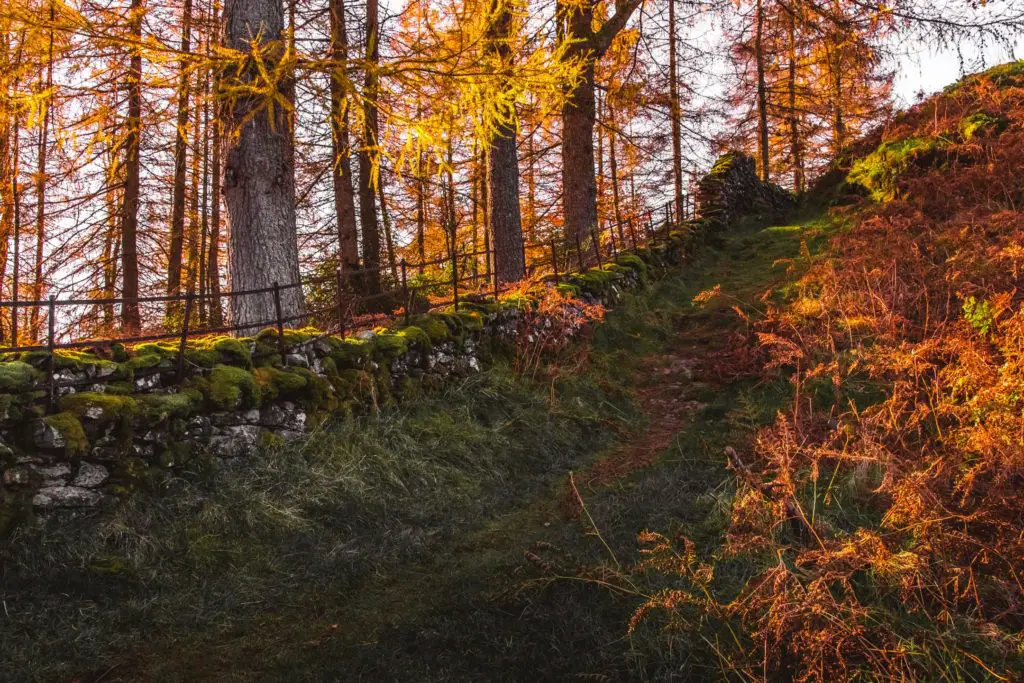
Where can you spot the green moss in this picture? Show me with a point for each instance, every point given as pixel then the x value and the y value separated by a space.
pixel 16 376
pixel 349 352
pixel 433 326
pixel 879 171
pixel 157 408
pixel 633 262
pixel 471 320
pixel 983 125
pixel 276 383
pixel 388 347
pixel 230 388
pixel 233 351
pixel 568 290
pixel 415 335
pixel 70 428
pixel 101 408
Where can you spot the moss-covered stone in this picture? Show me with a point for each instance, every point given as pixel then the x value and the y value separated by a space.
pixel 99 408
pixel 980 124
pixel 387 347
pixel 349 353
pixel 879 171
pixel 17 376
pixel 230 388
pixel 434 327
pixel 277 383
pixel 156 408
pixel 70 429
pixel 415 335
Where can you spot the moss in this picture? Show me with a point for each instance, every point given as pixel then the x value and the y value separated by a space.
pixel 101 408
pixel 276 383
pixel 388 347
pixel 433 326
pixel 632 262
pixel 16 376
pixel 981 124
pixel 10 408
pixel 70 428
pixel 879 171
pixel 156 408
pixel 568 290
pixel 472 320
pixel 415 335
pixel 349 352
pixel 233 351
pixel 230 388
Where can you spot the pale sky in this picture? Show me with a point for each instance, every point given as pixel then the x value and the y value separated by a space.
pixel 931 71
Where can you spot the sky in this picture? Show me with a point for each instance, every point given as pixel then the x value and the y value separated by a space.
pixel 929 70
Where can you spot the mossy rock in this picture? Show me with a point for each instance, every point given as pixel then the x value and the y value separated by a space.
pixel 434 327
pixel 387 347
pixel 349 352
pixel 277 383
pixel 980 124
pixel 70 428
pixel 880 171
pixel 231 388
pixel 415 335
pixel 102 409
pixel 157 408
pixel 17 376
pixel 568 290
pixel 633 262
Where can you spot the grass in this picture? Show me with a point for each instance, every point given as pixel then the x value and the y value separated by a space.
pixel 391 548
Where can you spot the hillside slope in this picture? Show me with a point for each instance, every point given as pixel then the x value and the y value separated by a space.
pixel 881 517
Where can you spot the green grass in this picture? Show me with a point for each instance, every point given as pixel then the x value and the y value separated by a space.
pixel 391 548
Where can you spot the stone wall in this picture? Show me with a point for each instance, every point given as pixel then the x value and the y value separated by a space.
pixel 122 418
pixel 732 190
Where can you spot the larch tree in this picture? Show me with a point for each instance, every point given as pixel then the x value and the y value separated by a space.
pixel 504 219
pixel 259 181
pixel 587 43
pixel 341 176
pixel 369 154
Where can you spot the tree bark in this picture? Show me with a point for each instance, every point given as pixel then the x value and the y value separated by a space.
pixel 41 178
pixel 762 93
pixel 130 318
pixel 344 195
pixel 579 189
pixel 367 156
pixel 174 256
pixel 216 313
pixel 259 175
pixel 675 108
pixel 794 123
pixel 502 162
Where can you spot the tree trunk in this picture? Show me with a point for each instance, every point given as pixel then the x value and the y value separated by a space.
pixel 579 189
pixel 389 242
pixel 794 125
pixel 259 175
pixel 503 164
pixel 344 195
pixel 613 166
pixel 762 93
pixel 675 108
pixel 174 255
pixel 43 151
pixel 579 186
pixel 216 314
pixel 7 180
pixel 130 319
pixel 368 154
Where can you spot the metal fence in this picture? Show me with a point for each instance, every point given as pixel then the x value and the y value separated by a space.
pixel 350 309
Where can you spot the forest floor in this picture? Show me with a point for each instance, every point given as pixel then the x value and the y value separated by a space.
pixel 494 591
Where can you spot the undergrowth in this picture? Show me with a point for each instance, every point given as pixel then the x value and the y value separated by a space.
pixel 294 525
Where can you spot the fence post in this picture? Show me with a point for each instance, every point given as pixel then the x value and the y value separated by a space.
pixel 554 259
pixel 455 278
pixel 280 321
pixel 184 336
pixel 632 232
pixel 405 293
pixel 580 251
pixel 339 285
pixel 597 247
pixel 615 249
pixel 14 317
pixel 50 361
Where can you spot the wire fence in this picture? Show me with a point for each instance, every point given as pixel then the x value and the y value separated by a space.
pixel 340 303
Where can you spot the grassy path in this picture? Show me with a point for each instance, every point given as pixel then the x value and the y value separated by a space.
pixel 473 608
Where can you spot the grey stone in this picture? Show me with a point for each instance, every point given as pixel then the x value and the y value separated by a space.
pixel 65 497
pixel 366 334
pixel 297 360
pixel 235 442
pixel 19 476
pixel 147 382
pixel 46 437
pixel 53 475
pixel 90 476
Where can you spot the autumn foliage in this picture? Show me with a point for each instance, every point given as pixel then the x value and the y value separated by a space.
pixel 885 506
